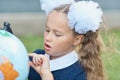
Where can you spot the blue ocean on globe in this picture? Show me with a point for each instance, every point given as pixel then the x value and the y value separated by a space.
pixel 12 48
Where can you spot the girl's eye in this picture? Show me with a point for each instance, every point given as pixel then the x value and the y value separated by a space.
pixel 47 30
pixel 58 35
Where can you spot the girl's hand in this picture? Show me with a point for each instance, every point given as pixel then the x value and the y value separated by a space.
pixel 41 64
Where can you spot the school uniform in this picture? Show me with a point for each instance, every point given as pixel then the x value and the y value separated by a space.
pixel 64 68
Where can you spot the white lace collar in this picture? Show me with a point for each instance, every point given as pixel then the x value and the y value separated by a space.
pixel 63 61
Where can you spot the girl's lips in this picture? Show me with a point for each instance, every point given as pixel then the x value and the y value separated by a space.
pixel 47 47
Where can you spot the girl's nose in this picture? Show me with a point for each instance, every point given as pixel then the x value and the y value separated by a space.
pixel 48 37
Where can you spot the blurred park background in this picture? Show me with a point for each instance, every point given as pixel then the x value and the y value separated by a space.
pixel 27 21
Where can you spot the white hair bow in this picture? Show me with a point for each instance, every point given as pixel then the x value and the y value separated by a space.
pixel 84 16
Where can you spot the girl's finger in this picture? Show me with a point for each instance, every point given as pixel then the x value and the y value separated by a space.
pixel 38 60
pixel 31 54
pixel 34 66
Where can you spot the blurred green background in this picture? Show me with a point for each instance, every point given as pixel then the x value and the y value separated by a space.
pixel 27 22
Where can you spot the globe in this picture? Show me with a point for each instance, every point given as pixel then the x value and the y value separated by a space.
pixel 13 58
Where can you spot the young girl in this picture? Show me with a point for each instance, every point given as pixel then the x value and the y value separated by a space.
pixel 72 44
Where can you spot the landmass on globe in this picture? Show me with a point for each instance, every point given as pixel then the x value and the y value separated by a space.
pixel 7 70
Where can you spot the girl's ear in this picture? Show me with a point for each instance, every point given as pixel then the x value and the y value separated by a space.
pixel 78 39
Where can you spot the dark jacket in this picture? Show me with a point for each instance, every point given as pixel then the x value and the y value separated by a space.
pixel 73 72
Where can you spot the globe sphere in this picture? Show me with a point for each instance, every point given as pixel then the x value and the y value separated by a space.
pixel 15 52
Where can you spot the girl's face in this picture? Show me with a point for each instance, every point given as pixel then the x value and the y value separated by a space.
pixel 58 37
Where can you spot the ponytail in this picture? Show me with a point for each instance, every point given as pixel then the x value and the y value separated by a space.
pixel 89 55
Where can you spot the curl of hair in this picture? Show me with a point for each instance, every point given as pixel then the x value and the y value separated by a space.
pixel 89 55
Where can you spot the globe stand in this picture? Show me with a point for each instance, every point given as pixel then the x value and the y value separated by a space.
pixel 6 27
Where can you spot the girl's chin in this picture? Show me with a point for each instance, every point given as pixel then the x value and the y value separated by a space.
pixel 48 52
